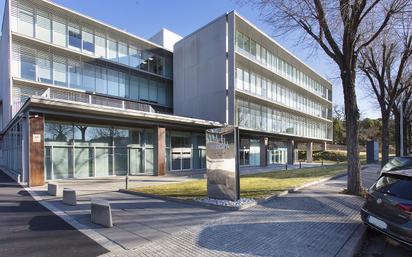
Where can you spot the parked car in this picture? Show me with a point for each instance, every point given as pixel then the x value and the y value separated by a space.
pixel 398 163
pixel 388 206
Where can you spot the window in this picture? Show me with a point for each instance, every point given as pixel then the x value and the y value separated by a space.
pixel 75 38
pixel 101 80
pixel 59 71
pixel 134 57
pixel 26 22
pixel 88 77
pixel 43 26
pixel 28 66
pixel 160 65
pixel 239 78
pixel 43 68
pixel 88 44
pixel 112 50
pixel 144 64
pixel 122 84
pixel 153 91
pixel 74 74
pixel 153 64
pixel 161 93
pixel 100 45
pixel 134 88
pixel 59 32
pixel 113 83
pixel 144 89
pixel 123 57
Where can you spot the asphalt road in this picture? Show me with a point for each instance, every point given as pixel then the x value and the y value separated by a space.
pixel 29 229
pixel 377 245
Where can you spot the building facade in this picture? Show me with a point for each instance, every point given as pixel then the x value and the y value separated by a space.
pixel 81 99
pixel 230 71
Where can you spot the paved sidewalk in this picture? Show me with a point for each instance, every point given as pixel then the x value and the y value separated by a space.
pixel 316 222
pixel 29 229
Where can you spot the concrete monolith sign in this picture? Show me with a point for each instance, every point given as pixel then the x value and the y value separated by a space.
pixel 222 163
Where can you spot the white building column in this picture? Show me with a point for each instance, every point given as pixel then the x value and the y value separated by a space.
pixel 309 152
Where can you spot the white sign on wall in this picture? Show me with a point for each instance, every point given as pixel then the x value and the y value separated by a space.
pixel 36 138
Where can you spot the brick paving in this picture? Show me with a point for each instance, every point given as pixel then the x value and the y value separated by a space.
pixel 313 222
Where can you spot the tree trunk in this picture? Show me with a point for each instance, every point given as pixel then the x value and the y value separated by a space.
pixel 385 138
pixel 405 136
pixel 352 131
pixel 397 132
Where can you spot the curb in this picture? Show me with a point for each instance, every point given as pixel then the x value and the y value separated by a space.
pixel 89 232
pixel 232 208
pixel 354 243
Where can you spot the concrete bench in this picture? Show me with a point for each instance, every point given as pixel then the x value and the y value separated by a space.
pixel 69 196
pixel 101 213
pixel 53 189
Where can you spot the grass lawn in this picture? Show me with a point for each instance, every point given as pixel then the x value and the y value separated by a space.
pixel 255 186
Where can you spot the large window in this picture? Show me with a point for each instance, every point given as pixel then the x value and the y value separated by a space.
pixel 123 56
pixel 49 26
pixel 28 67
pixel 101 80
pixel 44 68
pixel 100 42
pixel 26 22
pixel 112 50
pixel 59 71
pixel 85 150
pixel 255 116
pixel 59 32
pixel 75 38
pixel 89 77
pixel 43 26
pixel 74 74
pixel 36 65
pixel 88 42
pixel 113 83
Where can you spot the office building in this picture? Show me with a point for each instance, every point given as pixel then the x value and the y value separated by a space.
pixel 80 98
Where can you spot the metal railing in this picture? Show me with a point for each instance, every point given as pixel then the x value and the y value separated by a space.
pixel 80 97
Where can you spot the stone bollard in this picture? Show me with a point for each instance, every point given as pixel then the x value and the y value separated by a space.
pixel 101 213
pixel 69 196
pixel 53 188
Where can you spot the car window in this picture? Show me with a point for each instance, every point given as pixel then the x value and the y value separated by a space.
pixel 398 163
pixel 398 186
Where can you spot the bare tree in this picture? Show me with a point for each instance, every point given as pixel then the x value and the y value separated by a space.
pixel 384 62
pixel 338 112
pixel 341 29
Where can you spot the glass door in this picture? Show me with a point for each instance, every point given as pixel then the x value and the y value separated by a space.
pixel 181 155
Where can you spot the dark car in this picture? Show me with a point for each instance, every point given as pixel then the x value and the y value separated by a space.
pixel 388 206
pixel 398 163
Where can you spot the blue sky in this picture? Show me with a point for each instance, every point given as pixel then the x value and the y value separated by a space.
pixel 146 17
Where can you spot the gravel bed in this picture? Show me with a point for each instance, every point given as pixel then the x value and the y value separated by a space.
pixel 238 203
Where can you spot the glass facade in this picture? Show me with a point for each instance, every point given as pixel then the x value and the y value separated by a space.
pixel 267 58
pixel 84 150
pixel 249 152
pixel 185 151
pixel 37 65
pixel 261 86
pixel 11 147
pixel 256 116
pixel 48 26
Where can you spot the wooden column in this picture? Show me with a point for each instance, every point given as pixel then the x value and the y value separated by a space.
pixel 36 150
pixel 161 151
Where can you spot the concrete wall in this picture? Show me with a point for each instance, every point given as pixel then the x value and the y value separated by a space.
pixel 165 38
pixel 200 73
pixel 5 78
